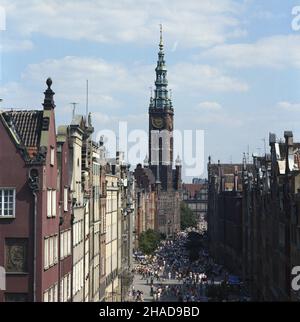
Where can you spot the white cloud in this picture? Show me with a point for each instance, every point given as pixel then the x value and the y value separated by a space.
pixel 221 119
pixel 210 106
pixel 13 45
pixel 272 52
pixel 117 92
pixel 111 84
pixel 288 106
pixel 192 23
pixel 195 77
pixel 107 81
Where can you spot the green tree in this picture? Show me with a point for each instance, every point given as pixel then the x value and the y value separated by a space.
pixel 187 217
pixel 149 241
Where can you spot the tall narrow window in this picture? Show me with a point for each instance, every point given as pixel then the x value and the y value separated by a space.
pixel 46 253
pixel 55 249
pixel 65 199
pixel 53 203
pixel 49 203
pixel 52 156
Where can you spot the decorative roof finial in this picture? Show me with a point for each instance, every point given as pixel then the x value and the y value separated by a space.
pixel 49 101
pixel 161 44
pixel 49 82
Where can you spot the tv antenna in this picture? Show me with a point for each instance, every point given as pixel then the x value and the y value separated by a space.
pixel 74 108
pixel 87 99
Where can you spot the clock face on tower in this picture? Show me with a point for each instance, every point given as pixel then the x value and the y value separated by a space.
pixel 157 122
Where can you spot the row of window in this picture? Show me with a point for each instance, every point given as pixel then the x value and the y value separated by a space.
pixel 51 295
pixel 8 202
pixel 50 251
pixel 78 276
pixel 65 288
pixel 65 244
pixel 77 232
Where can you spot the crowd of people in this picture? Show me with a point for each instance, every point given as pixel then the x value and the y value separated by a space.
pixel 171 275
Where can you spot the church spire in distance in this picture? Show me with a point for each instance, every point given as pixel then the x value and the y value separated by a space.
pixel 161 95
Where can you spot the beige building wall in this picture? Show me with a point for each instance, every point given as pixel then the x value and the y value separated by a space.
pixel 112 238
pixel 79 217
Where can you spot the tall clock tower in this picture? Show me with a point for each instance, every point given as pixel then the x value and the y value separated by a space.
pixel 161 115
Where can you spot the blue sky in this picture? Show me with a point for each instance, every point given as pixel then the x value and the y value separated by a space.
pixel 233 65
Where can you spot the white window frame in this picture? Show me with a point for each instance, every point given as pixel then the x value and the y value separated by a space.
pixel 69 286
pixel 49 203
pixel 51 255
pixel 2 189
pixel 62 289
pixel 52 156
pixel 69 242
pixel 65 244
pixel 53 199
pixel 66 288
pixel 62 246
pixel 46 253
pixel 66 193
pixel 55 293
pixel 55 249
pixel 45 296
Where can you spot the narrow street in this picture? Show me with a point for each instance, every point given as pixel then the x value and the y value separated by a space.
pixel 181 270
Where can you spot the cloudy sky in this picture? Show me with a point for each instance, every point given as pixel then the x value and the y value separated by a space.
pixel 233 64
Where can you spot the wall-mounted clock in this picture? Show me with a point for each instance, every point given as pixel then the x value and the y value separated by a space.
pixel 157 122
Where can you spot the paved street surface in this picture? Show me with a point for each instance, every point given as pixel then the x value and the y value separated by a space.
pixel 141 285
pixel 180 271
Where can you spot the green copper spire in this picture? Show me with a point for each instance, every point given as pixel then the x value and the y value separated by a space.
pixel 161 96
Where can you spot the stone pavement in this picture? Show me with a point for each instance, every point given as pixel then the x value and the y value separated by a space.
pixel 141 285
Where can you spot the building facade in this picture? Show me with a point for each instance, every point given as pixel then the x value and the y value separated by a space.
pixel 161 142
pixel 66 214
pixel 254 227
pixel 271 215
pixel 29 219
pixel 225 214
pixel 195 197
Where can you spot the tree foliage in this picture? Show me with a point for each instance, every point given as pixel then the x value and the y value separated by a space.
pixel 187 217
pixel 149 241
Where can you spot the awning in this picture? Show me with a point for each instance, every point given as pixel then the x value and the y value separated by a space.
pixel 234 280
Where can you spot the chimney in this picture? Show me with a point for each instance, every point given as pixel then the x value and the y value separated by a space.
pixel 235 178
pixel 289 143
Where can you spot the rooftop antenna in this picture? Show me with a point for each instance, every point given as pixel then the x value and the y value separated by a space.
pixel 161 44
pixel 74 108
pixel 248 154
pixel 87 98
pixel 265 146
